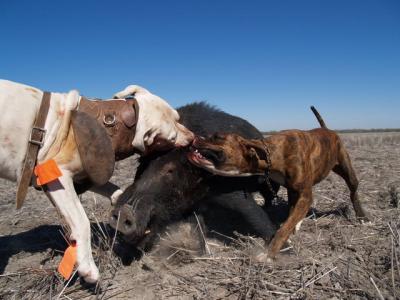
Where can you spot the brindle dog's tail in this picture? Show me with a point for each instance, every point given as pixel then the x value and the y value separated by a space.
pixel 318 116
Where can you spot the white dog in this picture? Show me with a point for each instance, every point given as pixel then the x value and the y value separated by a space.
pixel 157 128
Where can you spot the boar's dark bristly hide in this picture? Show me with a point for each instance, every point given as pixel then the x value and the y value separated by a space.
pixel 167 187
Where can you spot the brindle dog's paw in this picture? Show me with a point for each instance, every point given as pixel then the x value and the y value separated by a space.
pixel 364 220
pixel 263 257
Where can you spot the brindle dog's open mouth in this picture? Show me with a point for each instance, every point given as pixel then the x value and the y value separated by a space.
pixel 204 156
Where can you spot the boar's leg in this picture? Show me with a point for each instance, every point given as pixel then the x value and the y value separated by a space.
pixel 243 202
pixel 266 192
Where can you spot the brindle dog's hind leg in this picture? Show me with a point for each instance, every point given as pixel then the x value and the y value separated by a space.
pixel 345 170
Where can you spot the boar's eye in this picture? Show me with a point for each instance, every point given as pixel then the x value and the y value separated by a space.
pixel 170 170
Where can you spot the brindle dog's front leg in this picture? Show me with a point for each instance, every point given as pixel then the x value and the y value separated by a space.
pixel 299 211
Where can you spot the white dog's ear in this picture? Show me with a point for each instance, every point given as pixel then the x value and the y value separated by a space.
pixel 94 147
pixel 130 90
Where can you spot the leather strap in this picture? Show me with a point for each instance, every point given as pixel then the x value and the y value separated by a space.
pixel 35 143
pixel 116 117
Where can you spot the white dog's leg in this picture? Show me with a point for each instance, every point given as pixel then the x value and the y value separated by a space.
pixel 63 195
pixel 109 190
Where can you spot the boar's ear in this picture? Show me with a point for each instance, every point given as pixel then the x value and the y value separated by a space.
pixel 94 147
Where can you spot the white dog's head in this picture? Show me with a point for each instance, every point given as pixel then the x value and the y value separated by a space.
pixel 158 126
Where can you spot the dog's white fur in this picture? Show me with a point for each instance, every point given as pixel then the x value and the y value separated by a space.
pixel 157 120
pixel 158 123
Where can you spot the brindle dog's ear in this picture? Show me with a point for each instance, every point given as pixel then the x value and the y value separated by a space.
pixel 255 150
pixel 94 147
pixel 252 153
pixel 256 156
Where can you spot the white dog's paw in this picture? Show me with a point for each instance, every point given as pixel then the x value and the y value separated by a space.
pixel 93 276
pixel 89 272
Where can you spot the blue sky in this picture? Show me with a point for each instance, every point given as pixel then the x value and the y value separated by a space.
pixel 266 61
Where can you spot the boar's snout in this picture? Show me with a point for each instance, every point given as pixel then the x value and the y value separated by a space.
pixel 122 219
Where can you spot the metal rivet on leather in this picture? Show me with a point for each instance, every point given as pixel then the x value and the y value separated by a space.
pixel 109 119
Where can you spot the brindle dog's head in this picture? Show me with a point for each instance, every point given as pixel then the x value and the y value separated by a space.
pixel 228 155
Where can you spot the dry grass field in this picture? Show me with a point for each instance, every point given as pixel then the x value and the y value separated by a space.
pixel 332 256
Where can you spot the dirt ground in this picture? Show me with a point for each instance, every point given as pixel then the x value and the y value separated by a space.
pixel 333 256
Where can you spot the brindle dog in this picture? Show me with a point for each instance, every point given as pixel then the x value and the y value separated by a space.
pixel 295 159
